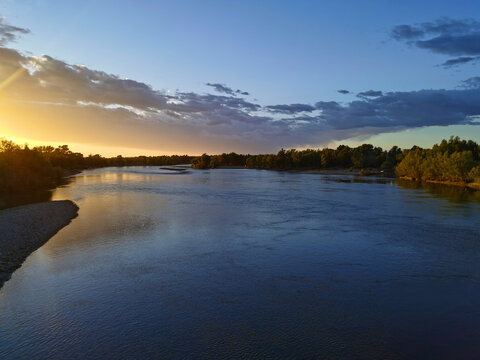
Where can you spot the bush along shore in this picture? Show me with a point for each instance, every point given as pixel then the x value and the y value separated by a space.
pixel 26 228
pixel 453 162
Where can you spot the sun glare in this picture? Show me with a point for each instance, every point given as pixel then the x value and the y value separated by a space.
pixel 19 72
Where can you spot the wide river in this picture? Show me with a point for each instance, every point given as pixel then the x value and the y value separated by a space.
pixel 248 264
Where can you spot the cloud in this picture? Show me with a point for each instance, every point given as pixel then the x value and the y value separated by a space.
pixel 327 105
pixel 443 26
pixel 395 110
pixel 53 99
pixel 222 88
pixel 369 93
pixel 290 109
pixel 454 45
pixel 9 33
pixel 459 61
pixel 459 38
pixel 344 92
pixel 47 99
pixel 471 83
pixel 406 32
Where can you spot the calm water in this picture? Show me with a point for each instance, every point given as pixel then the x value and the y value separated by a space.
pixel 249 265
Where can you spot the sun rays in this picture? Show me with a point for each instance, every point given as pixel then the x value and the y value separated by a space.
pixel 17 74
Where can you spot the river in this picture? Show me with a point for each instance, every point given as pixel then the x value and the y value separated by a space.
pixel 249 264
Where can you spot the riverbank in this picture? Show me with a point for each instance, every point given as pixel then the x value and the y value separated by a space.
pixel 25 228
pixel 356 172
pixel 472 185
pixel 329 171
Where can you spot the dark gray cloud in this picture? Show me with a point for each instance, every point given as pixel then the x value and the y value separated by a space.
pixel 9 33
pixel 405 110
pixel 328 105
pixel 471 83
pixel 222 88
pixel 454 45
pixel 290 109
pixel 458 61
pixel 343 91
pixel 443 26
pixel 406 32
pixel 193 103
pixel 369 93
pixel 459 38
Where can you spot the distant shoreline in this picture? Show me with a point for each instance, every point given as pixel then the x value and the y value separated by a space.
pixel 26 228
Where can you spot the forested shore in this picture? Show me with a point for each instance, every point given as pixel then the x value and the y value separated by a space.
pixel 453 161
pixel 45 167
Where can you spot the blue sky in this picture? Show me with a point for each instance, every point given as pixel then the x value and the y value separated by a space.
pixel 280 52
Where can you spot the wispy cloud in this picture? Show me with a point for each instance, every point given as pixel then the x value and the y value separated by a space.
pixel 222 88
pixel 290 109
pixel 459 38
pixel 440 27
pixel 369 94
pixel 471 83
pixel 9 33
pixel 459 61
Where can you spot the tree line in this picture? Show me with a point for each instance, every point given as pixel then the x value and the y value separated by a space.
pixel 361 157
pixel 43 167
pixel 452 160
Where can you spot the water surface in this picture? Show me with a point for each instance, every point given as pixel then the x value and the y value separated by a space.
pixel 249 264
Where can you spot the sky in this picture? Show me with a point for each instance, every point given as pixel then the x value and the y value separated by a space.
pixel 166 77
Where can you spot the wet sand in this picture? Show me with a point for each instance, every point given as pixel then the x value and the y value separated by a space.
pixel 25 228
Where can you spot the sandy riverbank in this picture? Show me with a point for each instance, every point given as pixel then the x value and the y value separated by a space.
pixel 25 228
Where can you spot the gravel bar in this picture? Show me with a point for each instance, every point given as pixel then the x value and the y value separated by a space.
pixel 25 228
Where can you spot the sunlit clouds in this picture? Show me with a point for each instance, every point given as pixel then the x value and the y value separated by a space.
pixel 48 100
